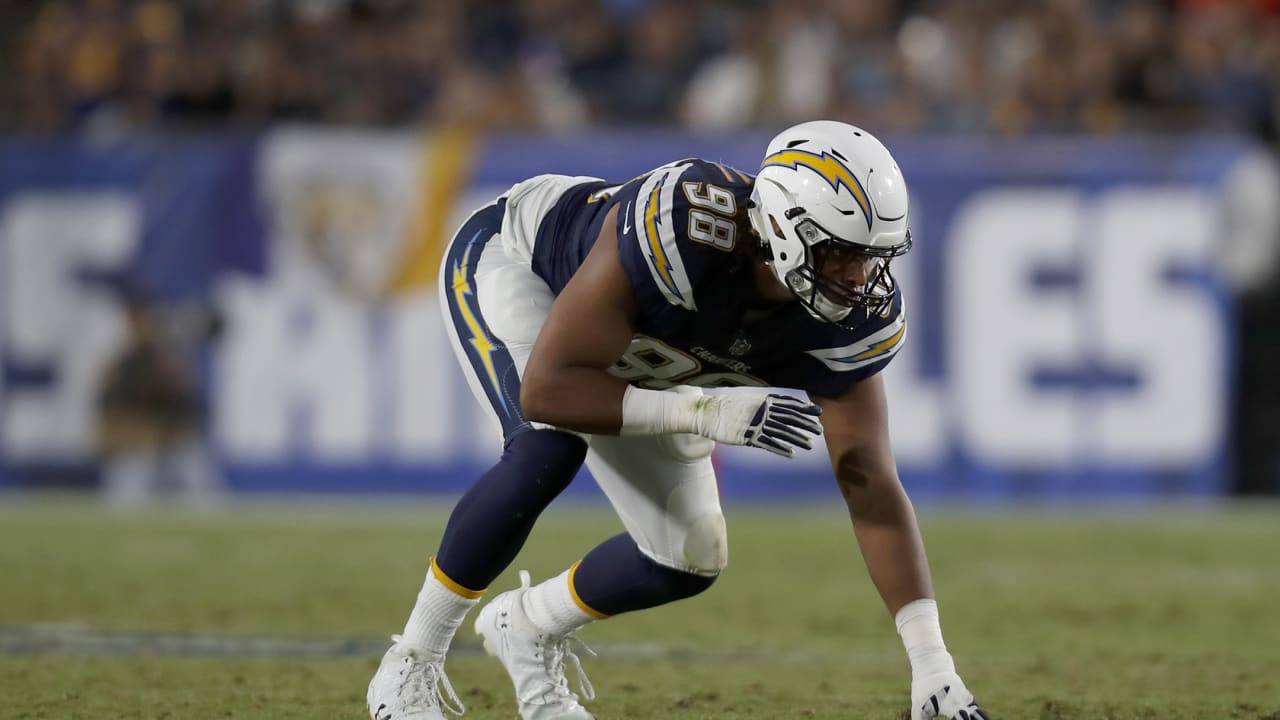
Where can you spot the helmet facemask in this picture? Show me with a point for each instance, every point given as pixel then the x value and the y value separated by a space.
pixel 828 296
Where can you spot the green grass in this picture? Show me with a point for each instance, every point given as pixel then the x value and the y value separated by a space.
pixel 1165 615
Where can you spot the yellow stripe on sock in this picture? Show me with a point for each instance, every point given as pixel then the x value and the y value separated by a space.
pixel 573 572
pixel 448 582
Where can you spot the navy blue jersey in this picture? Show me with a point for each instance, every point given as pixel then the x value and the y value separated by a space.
pixel 680 237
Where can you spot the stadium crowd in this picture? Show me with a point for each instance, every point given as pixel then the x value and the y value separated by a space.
pixel 1003 66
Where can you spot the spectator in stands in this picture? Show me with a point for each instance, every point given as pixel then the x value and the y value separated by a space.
pixel 778 68
pixel 1000 66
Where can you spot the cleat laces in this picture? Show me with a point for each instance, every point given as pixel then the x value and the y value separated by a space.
pixel 556 654
pixel 425 683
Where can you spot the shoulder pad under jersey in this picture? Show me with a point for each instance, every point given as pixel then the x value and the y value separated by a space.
pixel 867 349
pixel 675 220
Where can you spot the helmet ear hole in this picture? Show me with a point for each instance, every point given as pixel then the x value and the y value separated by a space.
pixel 777 229
pixel 782 257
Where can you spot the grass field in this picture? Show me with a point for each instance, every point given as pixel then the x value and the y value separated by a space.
pixel 1165 615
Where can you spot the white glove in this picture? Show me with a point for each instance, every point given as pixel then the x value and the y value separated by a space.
pixel 777 423
pixel 944 696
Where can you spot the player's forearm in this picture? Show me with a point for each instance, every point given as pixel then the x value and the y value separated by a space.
pixel 889 538
pixel 896 562
pixel 584 399
pixel 890 542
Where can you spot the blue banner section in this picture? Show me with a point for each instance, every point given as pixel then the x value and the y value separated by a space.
pixel 1068 336
pixel 201 207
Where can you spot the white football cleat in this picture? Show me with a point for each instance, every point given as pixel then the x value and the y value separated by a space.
pixel 411 685
pixel 534 660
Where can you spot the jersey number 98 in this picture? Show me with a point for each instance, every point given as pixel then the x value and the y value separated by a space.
pixel 711 218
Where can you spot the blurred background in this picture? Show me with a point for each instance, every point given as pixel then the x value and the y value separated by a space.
pixel 221 224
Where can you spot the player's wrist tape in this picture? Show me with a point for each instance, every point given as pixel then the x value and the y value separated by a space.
pixel 921 634
pixel 656 412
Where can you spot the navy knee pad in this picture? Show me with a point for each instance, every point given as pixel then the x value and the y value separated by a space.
pixel 493 519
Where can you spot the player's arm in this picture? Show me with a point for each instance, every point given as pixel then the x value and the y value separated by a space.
pixel 884 522
pixel 856 425
pixel 566 382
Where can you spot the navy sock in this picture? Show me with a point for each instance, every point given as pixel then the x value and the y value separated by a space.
pixel 616 577
pixel 493 519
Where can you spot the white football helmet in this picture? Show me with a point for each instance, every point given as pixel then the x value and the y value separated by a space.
pixel 830 190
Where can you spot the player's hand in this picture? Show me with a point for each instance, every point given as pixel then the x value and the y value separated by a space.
pixel 944 697
pixel 777 423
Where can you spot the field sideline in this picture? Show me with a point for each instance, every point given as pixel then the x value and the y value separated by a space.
pixel 278 610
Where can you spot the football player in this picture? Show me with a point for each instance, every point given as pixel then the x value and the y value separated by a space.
pixel 589 318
